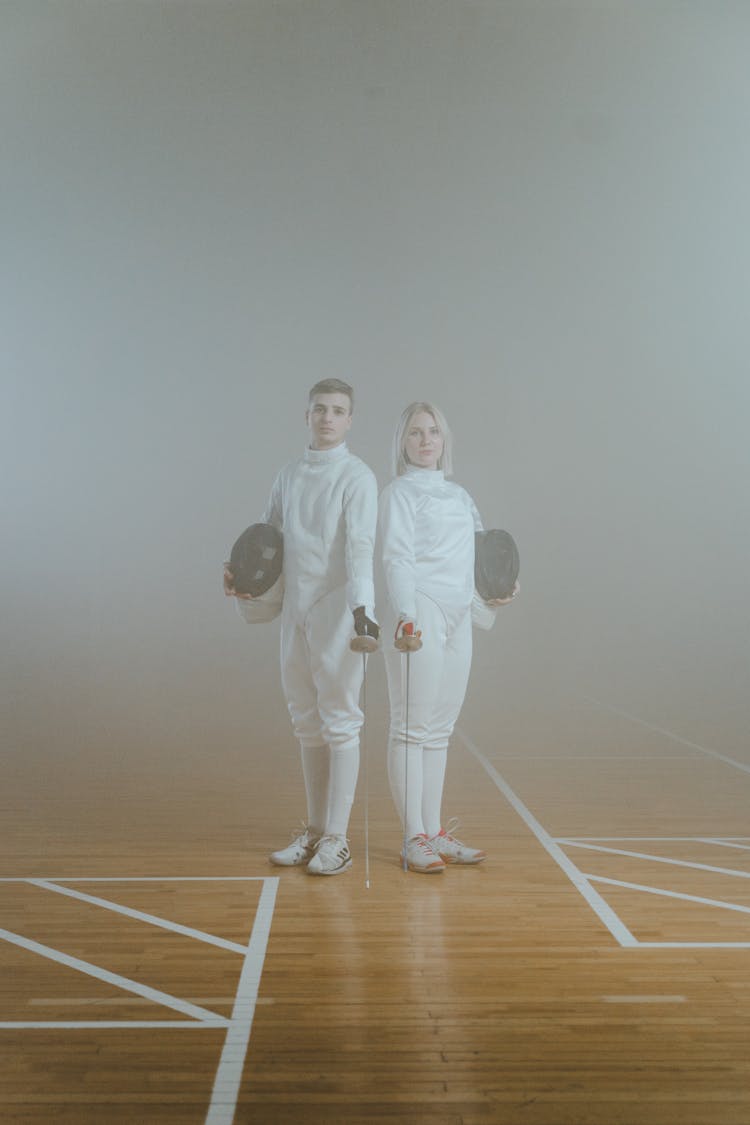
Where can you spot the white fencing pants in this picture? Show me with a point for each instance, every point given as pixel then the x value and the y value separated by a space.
pixel 321 678
pixel 438 675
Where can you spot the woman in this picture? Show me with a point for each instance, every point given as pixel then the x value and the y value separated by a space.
pixel 427 526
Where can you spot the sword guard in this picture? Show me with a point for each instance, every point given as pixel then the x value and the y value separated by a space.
pixel 363 643
pixel 407 640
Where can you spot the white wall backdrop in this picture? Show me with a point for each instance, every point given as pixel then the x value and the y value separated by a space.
pixel 534 213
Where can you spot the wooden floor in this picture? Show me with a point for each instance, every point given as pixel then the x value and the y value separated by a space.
pixel 594 971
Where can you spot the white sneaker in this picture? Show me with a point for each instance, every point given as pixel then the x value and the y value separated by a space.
pixel 421 856
pixel 452 850
pixel 300 851
pixel 332 856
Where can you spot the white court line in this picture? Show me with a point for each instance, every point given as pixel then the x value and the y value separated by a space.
pixel 694 944
pixel 659 839
pixel 647 999
pixel 140 916
pixel 115 979
pixel 670 894
pixel 657 858
pixel 668 734
pixel 601 908
pixel 723 843
pixel 217 1023
pixel 597 757
pixel 112 1001
pixel 142 879
pixel 229 1073
pixel 582 881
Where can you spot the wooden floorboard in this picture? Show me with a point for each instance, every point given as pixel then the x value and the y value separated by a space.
pixel 491 995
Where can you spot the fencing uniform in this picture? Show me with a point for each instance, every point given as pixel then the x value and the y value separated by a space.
pixel 427 527
pixel 325 505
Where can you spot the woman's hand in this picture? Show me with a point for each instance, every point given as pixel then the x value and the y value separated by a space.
pixel 408 638
pixel 505 601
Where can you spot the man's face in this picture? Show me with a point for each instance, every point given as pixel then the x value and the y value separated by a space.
pixel 328 418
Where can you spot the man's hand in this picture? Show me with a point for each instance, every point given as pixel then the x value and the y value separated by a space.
pixel 366 632
pixel 229 589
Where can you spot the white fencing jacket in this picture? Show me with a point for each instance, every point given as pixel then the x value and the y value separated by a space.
pixel 325 505
pixel 427 526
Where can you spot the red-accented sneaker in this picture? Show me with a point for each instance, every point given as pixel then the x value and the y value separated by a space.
pixel 421 856
pixel 452 850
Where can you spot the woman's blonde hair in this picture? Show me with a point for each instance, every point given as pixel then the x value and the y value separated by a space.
pixel 399 461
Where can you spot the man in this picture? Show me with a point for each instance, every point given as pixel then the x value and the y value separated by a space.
pixel 325 506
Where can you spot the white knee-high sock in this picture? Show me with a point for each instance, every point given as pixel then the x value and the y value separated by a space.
pixel 433 774
pixel 315 772
pixel 412 820
pixel 344 767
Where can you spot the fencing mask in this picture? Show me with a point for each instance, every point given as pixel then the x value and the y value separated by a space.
pixel 496 564
pixel 256 558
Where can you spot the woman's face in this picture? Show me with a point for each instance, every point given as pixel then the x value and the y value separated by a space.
pixel 424 442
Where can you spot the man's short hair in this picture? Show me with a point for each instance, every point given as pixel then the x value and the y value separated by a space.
pixel 332 387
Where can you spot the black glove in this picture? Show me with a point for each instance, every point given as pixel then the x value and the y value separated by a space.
pixel 366 632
